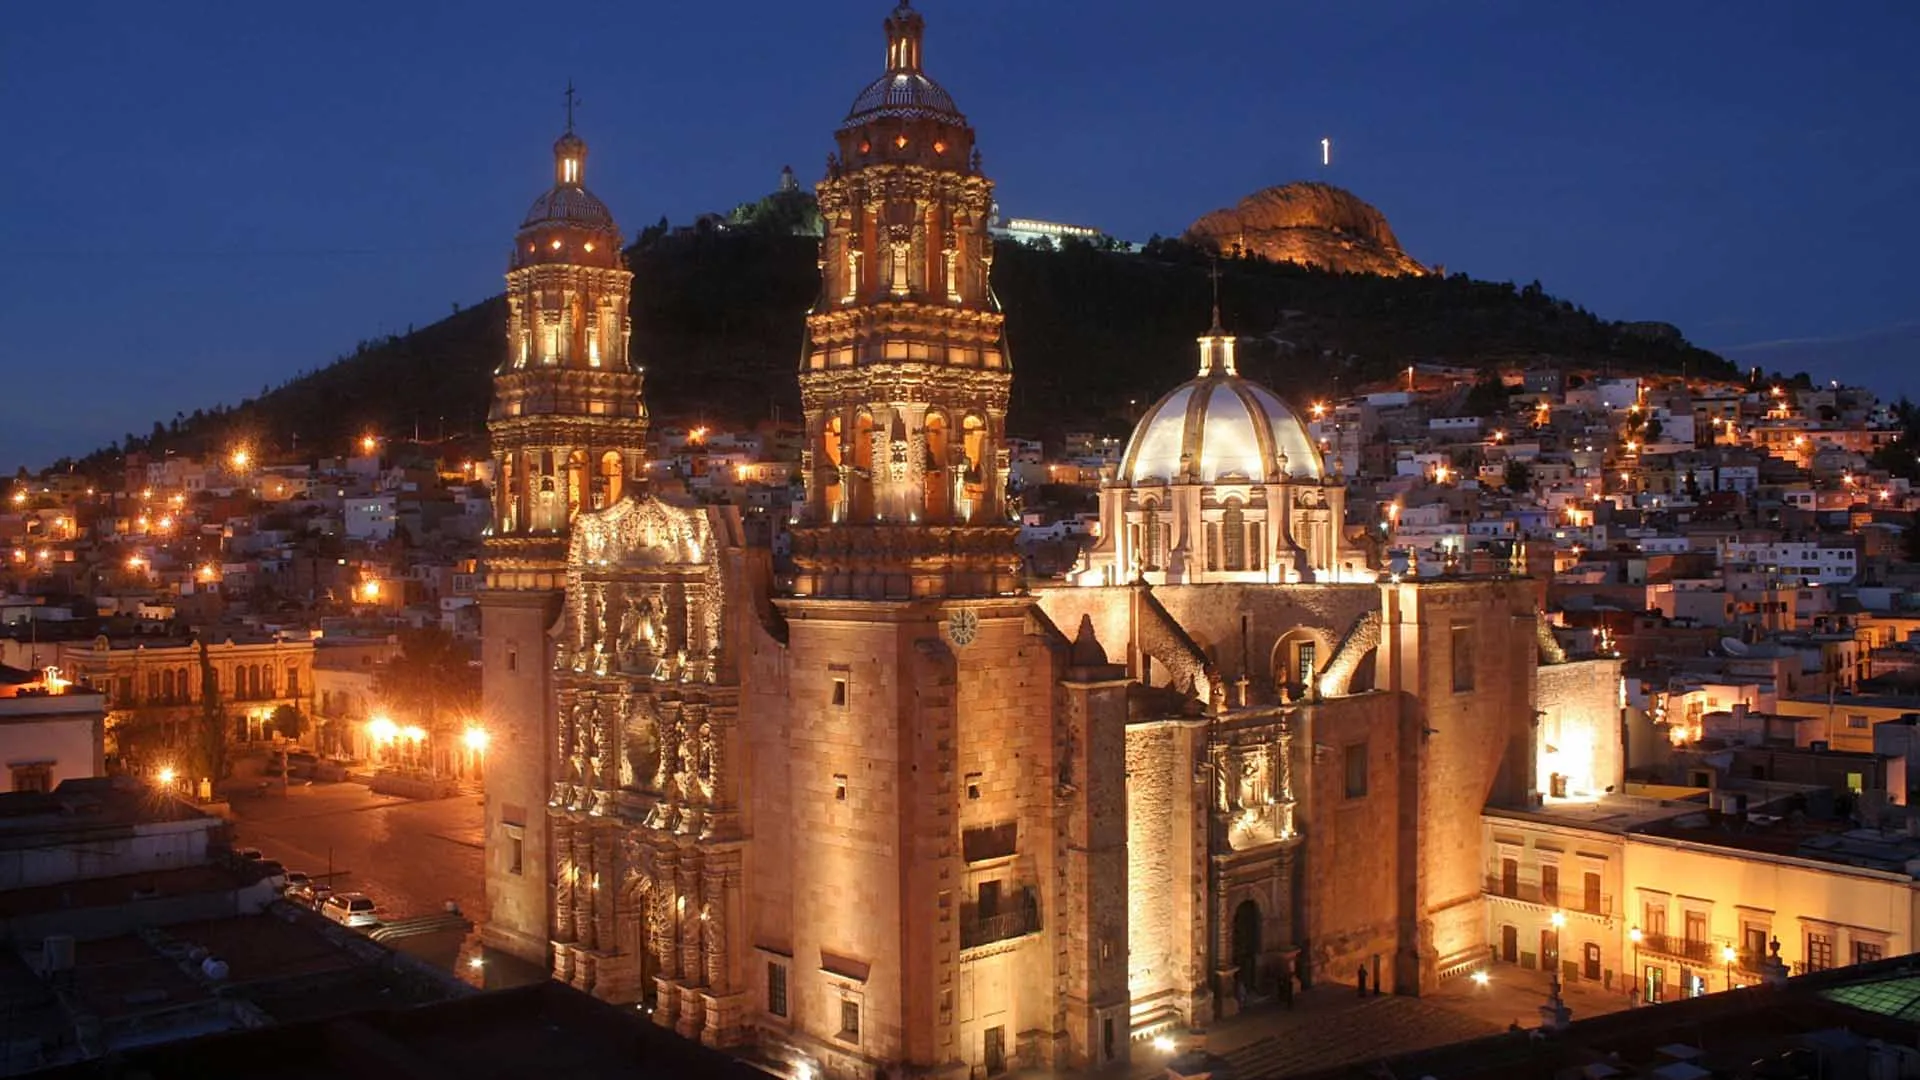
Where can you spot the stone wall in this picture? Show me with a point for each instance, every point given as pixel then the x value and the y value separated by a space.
pixel 1351 863
pixel 1475 744
pixel 1580 727
pixel 515 698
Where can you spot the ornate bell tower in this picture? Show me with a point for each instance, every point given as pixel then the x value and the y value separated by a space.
pixel 906 376
pixel 919 685
pixel 568 432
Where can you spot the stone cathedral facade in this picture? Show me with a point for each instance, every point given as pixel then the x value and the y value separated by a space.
pixel 913 815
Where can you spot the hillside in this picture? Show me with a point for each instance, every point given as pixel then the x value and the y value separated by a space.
pixel 718 324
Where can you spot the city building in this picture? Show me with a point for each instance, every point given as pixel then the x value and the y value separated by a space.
pixel 154 688
pixel 50 730
pixel 908 813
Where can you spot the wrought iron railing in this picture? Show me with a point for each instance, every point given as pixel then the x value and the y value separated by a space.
pixel 1019 914
pixel 1532 893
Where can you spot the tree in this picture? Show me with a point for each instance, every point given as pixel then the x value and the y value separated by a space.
pixel 290 722
pixel 431 683
pixel 1519 475
pixel 211 730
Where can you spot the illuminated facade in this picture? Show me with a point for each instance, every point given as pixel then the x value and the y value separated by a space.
pixel 568 433
pixel 909 818
pixel 906 374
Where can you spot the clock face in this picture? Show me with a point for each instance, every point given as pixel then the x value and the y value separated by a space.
pixel 963 626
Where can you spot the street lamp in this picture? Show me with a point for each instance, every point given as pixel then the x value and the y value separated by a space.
pixel 1634 935
pixel 1727 954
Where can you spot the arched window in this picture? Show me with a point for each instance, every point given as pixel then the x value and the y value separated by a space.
pixel 184 683
pixel 576 483
pixel 832 456
pixel 1151 552
pixel 939 485
pixel 266 680
pixel 612 478
pixel 166 686
pixel 973 443
pixel 1233 536
pixel 863 466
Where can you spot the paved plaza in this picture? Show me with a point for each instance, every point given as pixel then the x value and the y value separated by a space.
pixel 1331 1026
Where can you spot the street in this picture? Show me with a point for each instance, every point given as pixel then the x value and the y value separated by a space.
pixel 410 856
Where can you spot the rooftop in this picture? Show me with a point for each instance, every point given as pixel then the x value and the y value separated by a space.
pixel 541 1030
pixel 1814 1025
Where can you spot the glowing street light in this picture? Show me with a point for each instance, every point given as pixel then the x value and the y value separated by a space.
pixel 1727 954
pixel 240 458
pixel 382 729
pixel 476 739
pixel 368 444
pixel 165 775
pixel 1481 978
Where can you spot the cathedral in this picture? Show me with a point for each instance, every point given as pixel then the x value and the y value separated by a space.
pixel 913 814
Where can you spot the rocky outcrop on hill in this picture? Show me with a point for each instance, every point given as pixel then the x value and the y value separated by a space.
pixel 1311 224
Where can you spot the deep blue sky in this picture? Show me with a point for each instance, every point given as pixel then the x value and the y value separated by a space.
pixel 198 198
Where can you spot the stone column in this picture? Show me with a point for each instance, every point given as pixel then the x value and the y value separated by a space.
pixel 661 934
pixel 605 900
pixel 583 891
pixel 565 880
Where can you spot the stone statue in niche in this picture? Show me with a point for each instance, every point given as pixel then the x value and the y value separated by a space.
pixel 1253 781
pixel 703 762
pixel 688 776
pixel 587 739
pixel 629 633
pixel 642 759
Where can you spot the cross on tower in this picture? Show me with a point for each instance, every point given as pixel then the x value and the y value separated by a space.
pixel 573 99
pixel 1215 275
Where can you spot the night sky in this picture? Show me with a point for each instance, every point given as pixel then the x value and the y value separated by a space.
pixel 201 198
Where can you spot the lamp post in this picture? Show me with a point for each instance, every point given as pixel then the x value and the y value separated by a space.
pixel 1559 921
pixel 1634 935
pixel 1727 954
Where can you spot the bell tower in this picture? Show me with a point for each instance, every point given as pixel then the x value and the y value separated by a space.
pixel 906 376
pixel 568 432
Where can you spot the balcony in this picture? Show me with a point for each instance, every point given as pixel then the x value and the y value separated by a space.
pixel 1528 892
pixel 1018 915
pixel 1699 952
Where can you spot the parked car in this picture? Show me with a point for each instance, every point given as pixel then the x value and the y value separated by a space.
pixel 296 880
pixel 247 853
pixel 350 909
pixel 317 894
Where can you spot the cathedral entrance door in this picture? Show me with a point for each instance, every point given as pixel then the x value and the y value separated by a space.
pixel 996 1051
pixel 1246 944
pixel 1510 944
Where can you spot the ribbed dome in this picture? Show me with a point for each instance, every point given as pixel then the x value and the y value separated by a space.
pixel 1220 427
pixel 906 95
pixel 569 204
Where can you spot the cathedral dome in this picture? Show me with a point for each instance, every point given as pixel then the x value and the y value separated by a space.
pixel 1220 428
pixel 904 92
pixel 569 205
pixel 568 202
pixel 907 95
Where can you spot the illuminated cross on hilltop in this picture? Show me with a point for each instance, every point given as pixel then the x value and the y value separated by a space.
pixel 1215 275
pixel 573 100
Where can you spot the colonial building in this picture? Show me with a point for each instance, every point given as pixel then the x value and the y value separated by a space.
pixel 913 816
pixel 157 687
